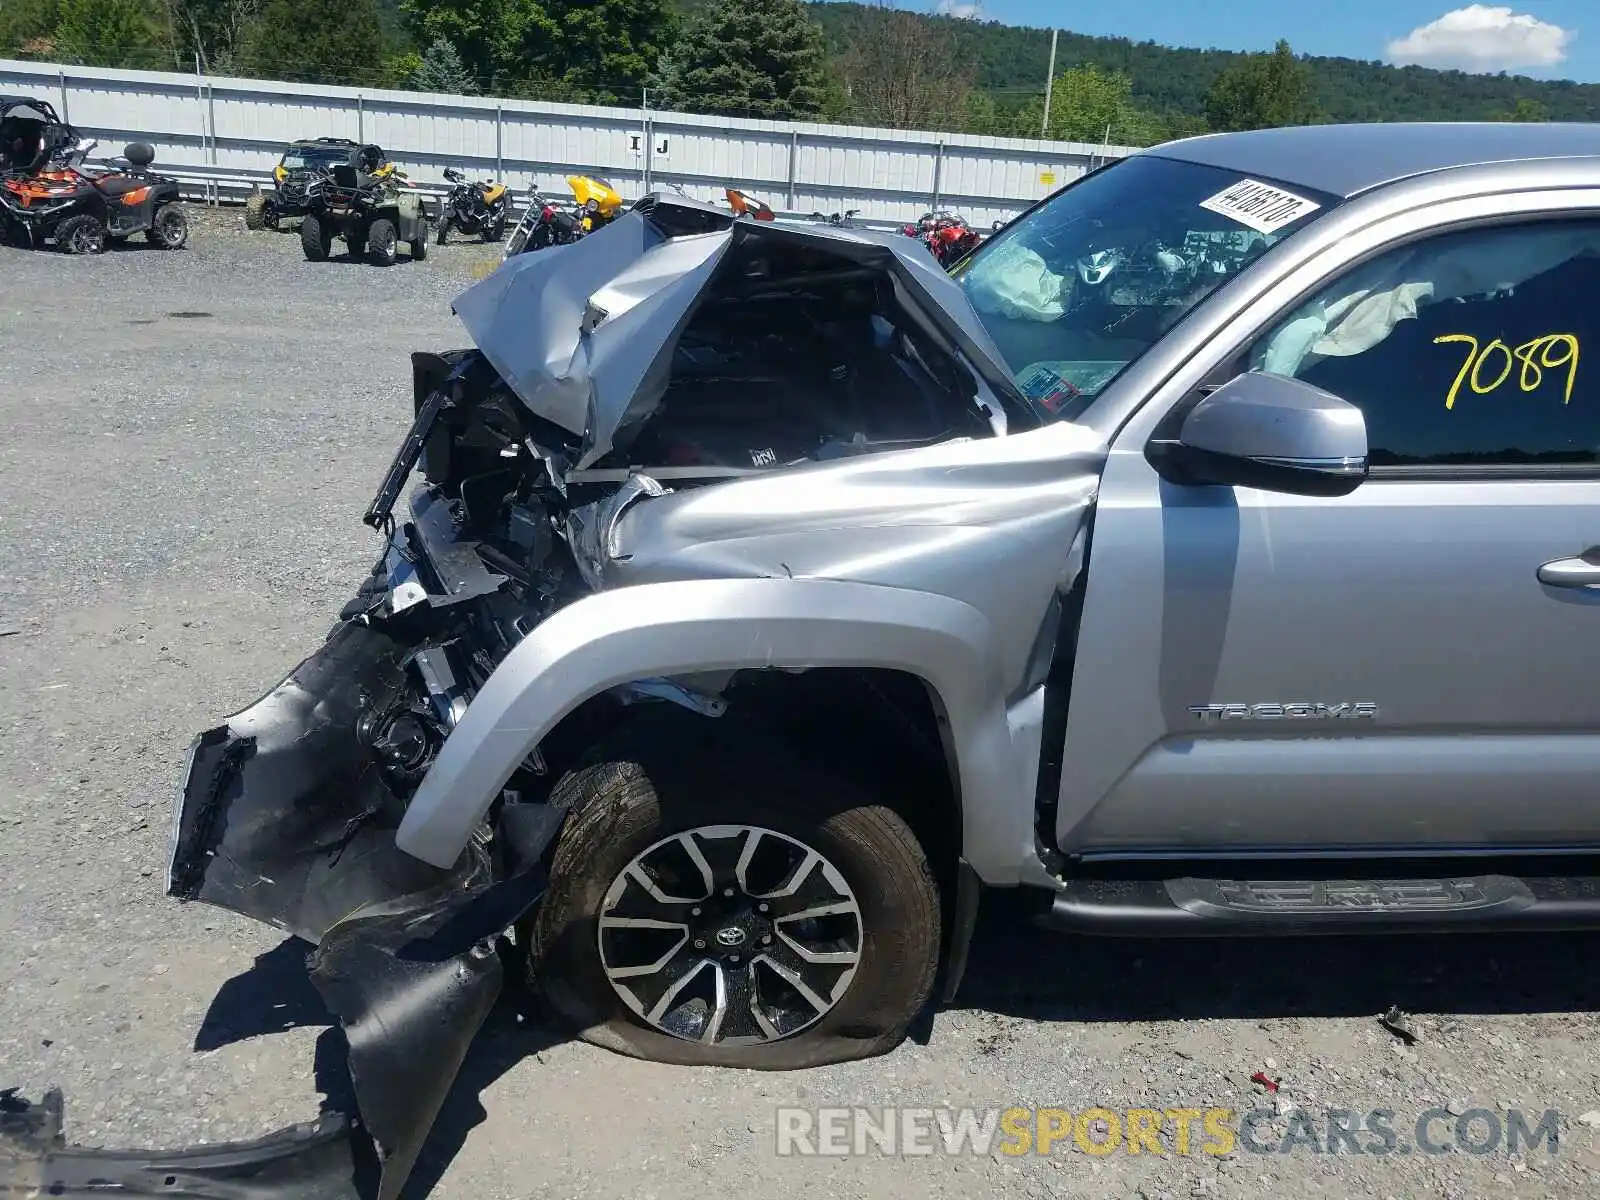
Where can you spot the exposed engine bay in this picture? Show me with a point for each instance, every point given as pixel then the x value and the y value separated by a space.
pixel 790 355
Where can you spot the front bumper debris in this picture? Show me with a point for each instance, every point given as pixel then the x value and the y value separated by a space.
pixel 287 816
pixel 322 1160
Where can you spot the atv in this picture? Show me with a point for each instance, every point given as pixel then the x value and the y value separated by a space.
pixel 373 213
pixel 297 166
pixel 474 206
pixel 82 211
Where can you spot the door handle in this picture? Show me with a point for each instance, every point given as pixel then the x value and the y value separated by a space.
pixel 1579 572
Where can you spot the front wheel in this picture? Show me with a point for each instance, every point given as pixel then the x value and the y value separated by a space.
pixel 443 234
pixel 738 907
pixel 419 244
pixel 316 240
pixel 81 235
pixel 169 230
pixel 381 241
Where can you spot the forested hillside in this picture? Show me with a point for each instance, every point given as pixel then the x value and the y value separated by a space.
pixel 1011 61
pixel 866 63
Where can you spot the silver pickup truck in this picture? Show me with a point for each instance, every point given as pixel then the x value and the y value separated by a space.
pixel 1212 552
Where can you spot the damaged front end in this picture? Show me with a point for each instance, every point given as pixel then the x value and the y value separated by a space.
pixel 677 353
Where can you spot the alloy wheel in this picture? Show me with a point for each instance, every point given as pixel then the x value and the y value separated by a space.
pixel 730 935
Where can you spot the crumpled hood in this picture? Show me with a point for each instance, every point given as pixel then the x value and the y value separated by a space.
pixel 584 333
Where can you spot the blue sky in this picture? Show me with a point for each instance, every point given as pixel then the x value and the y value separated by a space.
pixel 1547 39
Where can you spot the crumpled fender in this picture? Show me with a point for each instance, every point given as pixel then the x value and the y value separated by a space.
pixel 677 628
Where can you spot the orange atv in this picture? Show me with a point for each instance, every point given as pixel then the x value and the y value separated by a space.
pixel 82 211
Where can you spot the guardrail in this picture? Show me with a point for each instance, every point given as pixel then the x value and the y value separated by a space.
pixel 223 185
pixel 224 134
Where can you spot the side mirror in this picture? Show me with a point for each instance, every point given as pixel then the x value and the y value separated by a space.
pixel 1269 432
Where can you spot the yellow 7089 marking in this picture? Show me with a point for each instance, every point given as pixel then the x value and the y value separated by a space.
pixel 1548 352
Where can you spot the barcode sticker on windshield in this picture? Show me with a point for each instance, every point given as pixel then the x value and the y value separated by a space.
pixel 1260 206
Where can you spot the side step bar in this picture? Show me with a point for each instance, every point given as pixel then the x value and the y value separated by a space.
pixel 1206 907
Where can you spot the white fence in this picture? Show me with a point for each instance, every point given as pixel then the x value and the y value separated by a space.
pixel 230 131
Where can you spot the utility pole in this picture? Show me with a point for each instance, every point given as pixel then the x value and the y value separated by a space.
pixel 1049 82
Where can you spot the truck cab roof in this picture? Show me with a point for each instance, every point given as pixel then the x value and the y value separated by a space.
pixel 1347 160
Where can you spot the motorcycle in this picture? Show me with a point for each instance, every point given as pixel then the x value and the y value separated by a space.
pixel 948 237
pixel 844 220
pixel 543 223
pixel 598 202
pixel 474 206
pixel 82 211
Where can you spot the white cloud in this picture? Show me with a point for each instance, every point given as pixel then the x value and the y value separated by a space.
pixel 1484 38
pixel 966 10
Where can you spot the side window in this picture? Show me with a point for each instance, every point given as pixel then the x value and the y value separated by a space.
pixel 1468 349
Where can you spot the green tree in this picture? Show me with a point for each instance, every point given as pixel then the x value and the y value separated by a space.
pixel 441 70
pixel 600 50
pixel 485 33
pixel 1525 110
pixel 605 48
pixel 211 30
pixel 108 33
pixel 1262 92
pixel 1091 104
pixel 319 41
pixel 28 26
pixel 758 58
pixel 902 71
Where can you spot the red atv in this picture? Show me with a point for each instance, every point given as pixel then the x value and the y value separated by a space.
pixel 947 236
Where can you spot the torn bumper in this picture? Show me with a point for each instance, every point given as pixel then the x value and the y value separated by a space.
pixel 285 815
pixel 316 1161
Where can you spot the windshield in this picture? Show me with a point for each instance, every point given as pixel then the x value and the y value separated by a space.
pixel 299 159
pixel 1082 286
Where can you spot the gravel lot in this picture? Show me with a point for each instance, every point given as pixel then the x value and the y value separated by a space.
pixel 179 516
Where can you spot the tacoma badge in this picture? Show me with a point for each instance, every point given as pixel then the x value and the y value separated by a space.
pixel 1295 711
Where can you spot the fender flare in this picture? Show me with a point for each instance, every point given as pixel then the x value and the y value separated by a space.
pixel 678 628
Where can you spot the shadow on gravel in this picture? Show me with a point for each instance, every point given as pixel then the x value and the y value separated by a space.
pixel 1018 970
pixel 276 994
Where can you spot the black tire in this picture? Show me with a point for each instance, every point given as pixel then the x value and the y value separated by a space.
pixel 646 787
pixel 169 229
pixel 419 244
pixel 442 234
pixel 81 235
pixel 381 242
pixel 315 241
pixel 255 212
